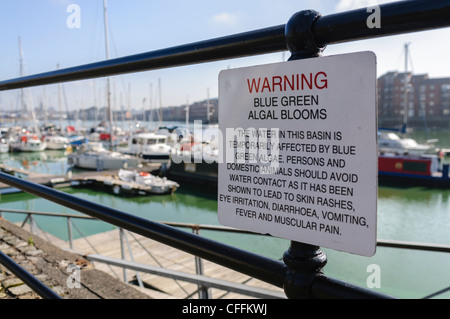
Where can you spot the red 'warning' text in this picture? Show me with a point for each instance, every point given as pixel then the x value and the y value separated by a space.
pixel 294 82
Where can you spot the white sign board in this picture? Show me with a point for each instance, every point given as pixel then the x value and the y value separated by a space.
pixel 299 153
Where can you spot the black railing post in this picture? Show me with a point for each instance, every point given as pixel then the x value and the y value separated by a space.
pixel 304 261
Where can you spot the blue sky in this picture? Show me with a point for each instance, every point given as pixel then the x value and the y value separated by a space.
pixel 138 26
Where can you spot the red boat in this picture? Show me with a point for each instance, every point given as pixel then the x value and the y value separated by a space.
pixel 424 170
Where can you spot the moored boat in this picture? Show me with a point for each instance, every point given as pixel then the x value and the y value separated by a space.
pixel 27 142
pixel 4 146
pixel 56 142
pixel 93 155
pixel 417 170
pixel 193 168
pixel 157 185
pixel 390 142
pixel 150 147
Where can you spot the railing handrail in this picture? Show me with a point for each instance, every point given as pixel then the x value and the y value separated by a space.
pixel 262 268
pixel 187 277
pixel 22 211
pixel 266 269
pixel 194 226
pixel 397 18
pixel 32 282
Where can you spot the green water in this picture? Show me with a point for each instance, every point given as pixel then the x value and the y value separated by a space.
pixel 416 214
pixel 404 214
pixel 413 215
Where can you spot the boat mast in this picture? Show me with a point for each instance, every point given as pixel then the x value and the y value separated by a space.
pixel 22 73
pixel 44 106
pixel 29 101
pixel 150 102
pixel 208 107
pixel 187 112
pixel 59 103
pixel 405 112
pixel 108 85
pixel 160 103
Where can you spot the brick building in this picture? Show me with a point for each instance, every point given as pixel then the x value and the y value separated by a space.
pixel 426 98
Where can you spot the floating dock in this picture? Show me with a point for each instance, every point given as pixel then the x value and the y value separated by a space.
pixel 100 179
pixel 110 182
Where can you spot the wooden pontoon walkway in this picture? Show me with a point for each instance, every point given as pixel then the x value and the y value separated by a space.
pixel 152 253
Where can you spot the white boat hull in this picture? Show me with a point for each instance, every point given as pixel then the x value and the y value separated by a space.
pixel 28 146
pixel 392 143
pixel 156 184
pixel 56 142
pixel 148 146
pixel 102 161
pixel 4 148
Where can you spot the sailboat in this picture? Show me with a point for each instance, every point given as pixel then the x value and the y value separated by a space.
pixel 25 141
pixel 151 147
pixel 403 160
pixel 4 146
pixel 54 140
pixel 93 155
pixel 389 141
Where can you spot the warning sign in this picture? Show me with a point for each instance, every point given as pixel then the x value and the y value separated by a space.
pixel 299 151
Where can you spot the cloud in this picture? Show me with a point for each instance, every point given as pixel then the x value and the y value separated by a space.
pixel 225 19
pixel 344 5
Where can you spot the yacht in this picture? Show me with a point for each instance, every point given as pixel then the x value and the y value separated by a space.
pixel 56 142
pixel 389 142
pixel 93 155
pixel 4 146
pixel 27 142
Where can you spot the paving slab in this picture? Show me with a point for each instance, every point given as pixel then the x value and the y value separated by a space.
pixel 69 275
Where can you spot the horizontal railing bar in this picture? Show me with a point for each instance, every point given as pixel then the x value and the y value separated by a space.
pixel 234 46
pixel 415 246
pixel 263 268
pixel 325 287
pixel 259 267
pixel 396 18
pixel 380 242
pixel 210 227
pixel 20 211
pixel 31 281
pixel 192 278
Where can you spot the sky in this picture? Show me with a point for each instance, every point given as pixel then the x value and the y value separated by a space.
pixel 48 39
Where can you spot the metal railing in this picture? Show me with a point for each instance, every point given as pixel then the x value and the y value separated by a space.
pixel 204 283
pixel 197 228
pixel 306 34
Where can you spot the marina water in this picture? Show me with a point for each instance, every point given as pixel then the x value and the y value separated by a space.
pixel 413 214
